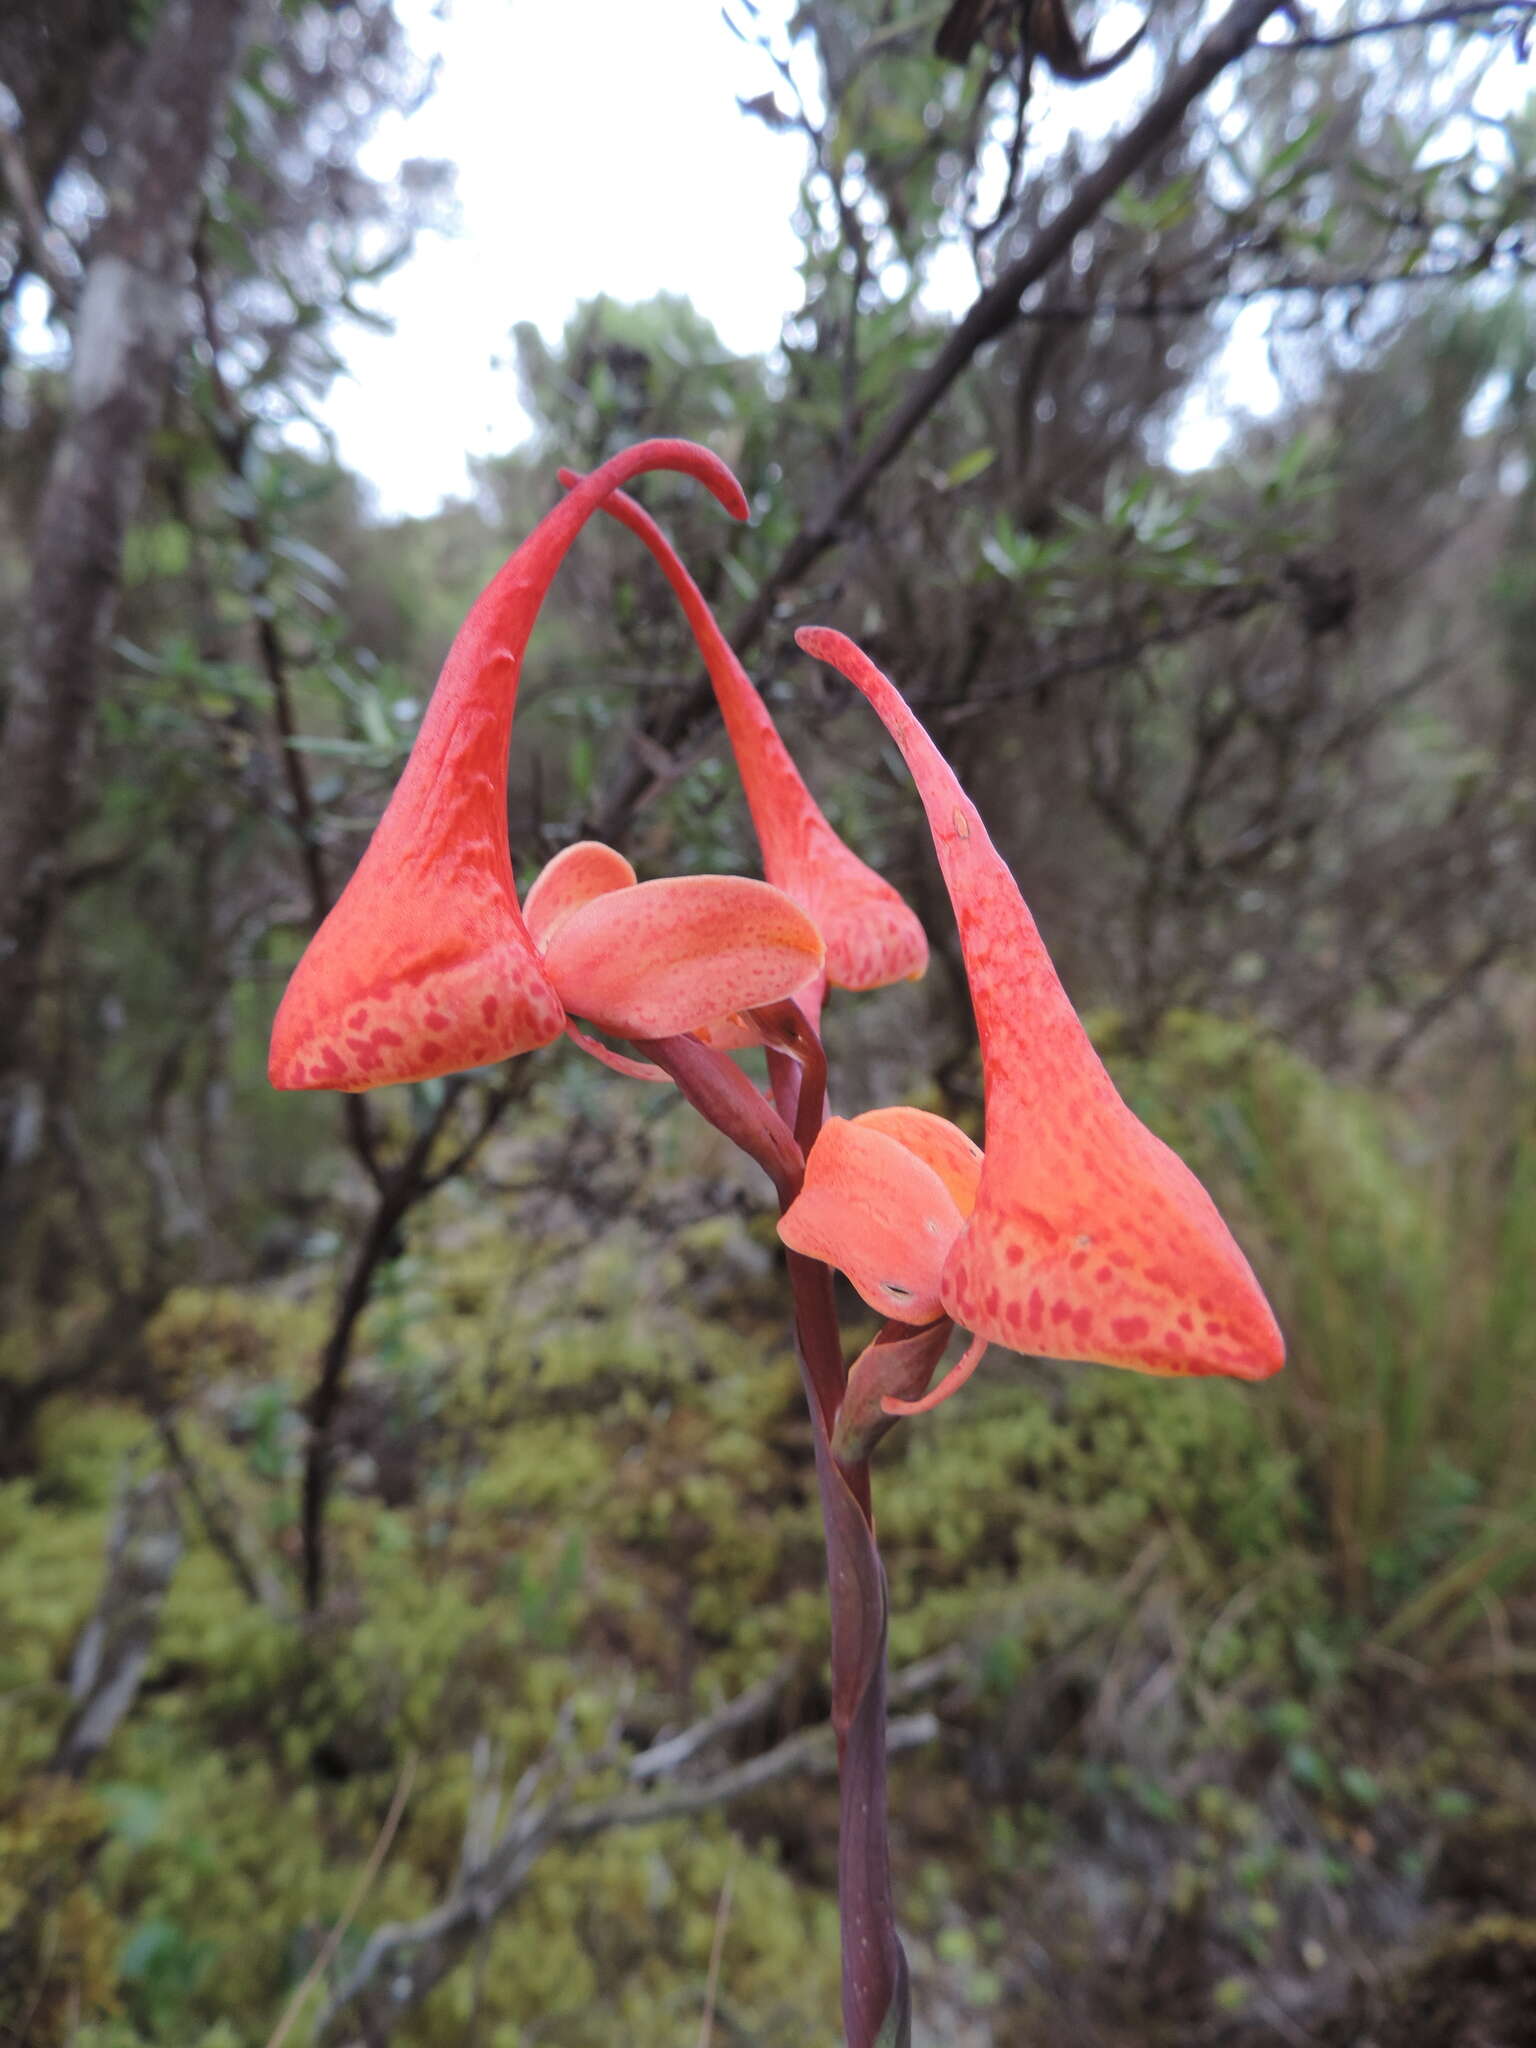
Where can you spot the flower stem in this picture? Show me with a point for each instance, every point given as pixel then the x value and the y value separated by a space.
pixel 876 1997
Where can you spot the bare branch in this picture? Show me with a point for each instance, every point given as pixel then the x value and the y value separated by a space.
pixel 401 1964
pixel 1187 305
pixel 1522 13
pixel 992 313
pixel 663 1758
pixel 39 240
pixel 143 1551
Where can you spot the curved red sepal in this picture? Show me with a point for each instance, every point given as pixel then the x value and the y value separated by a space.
pixel 1090 1239
pixel 872 937
pixel 424 966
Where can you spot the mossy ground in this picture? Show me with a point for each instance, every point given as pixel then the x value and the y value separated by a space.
pixel 1213 1743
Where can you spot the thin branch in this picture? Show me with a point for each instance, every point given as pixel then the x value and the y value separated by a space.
pixel 230 434
pixel 994 311
pixel 413 1958
pixel 37 237
pixel 716 1955
pixel 1159 306
pixel 494 1104
pixel 360 1891
pixel 664 1758
pixel 1524 12
pixel 1231 605
pixel 216 1513
pixel 144 1548
pixel 398 1194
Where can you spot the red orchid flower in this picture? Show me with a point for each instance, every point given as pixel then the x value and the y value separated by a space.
pixel 872 936
pixel 426 964
pixel 1078 1234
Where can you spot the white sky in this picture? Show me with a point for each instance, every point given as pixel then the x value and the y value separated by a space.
pixel 599 149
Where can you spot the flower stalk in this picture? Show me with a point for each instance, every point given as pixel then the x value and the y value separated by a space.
pixel 875 1991
pixel 1073 1233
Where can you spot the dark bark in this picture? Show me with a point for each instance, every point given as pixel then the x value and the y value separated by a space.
pixel 128 330
pixel 64 62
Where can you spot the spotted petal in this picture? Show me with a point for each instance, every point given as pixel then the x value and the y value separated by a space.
pixel 1089 1239
pixel 575 877
pixel 425 965
pixel 880 1214
pixel 666 957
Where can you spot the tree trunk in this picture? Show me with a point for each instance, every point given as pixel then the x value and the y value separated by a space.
pixel 128 330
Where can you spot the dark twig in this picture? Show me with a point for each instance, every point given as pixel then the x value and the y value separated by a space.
pixel 992 313
pixel 401 1190
pixel 1187 305
pixel 1523 11
pixel 231 435
pixel 38 239
pixel 220 1525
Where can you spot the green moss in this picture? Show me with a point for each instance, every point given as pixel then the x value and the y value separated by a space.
pixel 576 1483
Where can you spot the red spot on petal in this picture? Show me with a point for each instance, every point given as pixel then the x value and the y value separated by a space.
pixel 488 1009
pixel 1061 1311
pixel 1186 1320
pixel 384 1036
pixel 1015 1254
pixel 1130 1329
pixel 1104 1275
pixel 358 1019
pixel 1120 1260
pixel 1014 1314
pixel 430 1049
pixel 1036 1308
pixel 436 1021
pixel 1041 1226
pixel 1082 1320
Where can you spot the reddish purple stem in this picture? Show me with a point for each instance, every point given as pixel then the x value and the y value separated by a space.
pixel 876 1995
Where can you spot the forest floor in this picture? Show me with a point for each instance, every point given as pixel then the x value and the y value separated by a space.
pixel 1210 1759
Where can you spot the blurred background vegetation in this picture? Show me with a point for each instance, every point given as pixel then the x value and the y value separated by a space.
pixel 384 1486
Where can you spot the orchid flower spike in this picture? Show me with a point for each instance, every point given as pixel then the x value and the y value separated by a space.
pixel 872 936
pixel 426 964
pixel 1082 1235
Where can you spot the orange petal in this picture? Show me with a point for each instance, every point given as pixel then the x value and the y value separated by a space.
pixel 952 1382
pixel 1090 1239
pixel 954 1157
pixel 618 1062
pixel 424 964
pixel 872 937
pixel 666 957
pixel 878 1213
pixel 575 876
